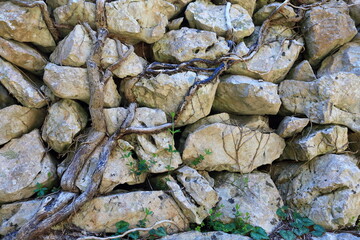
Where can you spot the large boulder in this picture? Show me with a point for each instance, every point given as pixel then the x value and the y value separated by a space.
pixel 72 83
pixel 330 180
pixel 188 43
pixel 253 194
pixel 25 163
pixel 325 28
pixel 20 86
pixel 246 96
pixel 331 99
pixel 16 120
pixel 65 119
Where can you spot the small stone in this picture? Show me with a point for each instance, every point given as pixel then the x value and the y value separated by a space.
pixel 290 126
pixel 175 24
pixel 302 72
pixel 262 14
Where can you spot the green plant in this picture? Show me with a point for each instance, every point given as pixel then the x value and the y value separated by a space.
pixel 201 157
pixel 40 190
pixel 171 149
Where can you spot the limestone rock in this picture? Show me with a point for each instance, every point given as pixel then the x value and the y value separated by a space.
pixel 337 236
pixel 187 43
pixel 56 3
pixel 330 180
pixel 234 148
pixel 65 119
pixel 347 59
pixel 262 3
pixel 175 24
pixel 325 28
pixel 16 120
pixel 262 14
pixel 155 92
pixel 354 8
pixel 14 215
pixel 195 235
pixel 302 72
pixel 5 98
pixel 22 55
pixel 118 168
pixel 25 162
pixel 72 83
pixel 248 5
pixel 149 147
pixel 254 193
pixel 315 141
pixel 331 99
pixel 129 207
pixel 290 126
pixel 246 96
pixel 24 25
pixel 207 16
pixel 26 92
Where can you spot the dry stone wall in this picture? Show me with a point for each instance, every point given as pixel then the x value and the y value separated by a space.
pixel 162 113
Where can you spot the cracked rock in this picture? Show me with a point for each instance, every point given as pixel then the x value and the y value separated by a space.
pixel 155 91
pixel 129 207
pixel 331 99
pixel 253 194
pixel 187 43
pixel 263 13
pixel 72 83
pixel 16 120
pixel 302 72
pixel 195 235
pixel 246 96
pixel 65 119
pixel 325 28
pixel 290 126
pixel 20 86
pixel 234 148
pixel 315 141
pixel 25 163
pixel 326 190
pixel 205 15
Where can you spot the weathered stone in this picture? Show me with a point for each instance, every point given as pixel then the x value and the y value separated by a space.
pixel 234 148
pixel 5 98
pixel 155 92
pixel 195 235
pixel 325 28
pixel 72 83
pixel 24 25
pixel 65 119
pixel 337 236
pixel 175 24
pixel 14 215
pixel 248 5
pixel 290 126
pixel 347 59
pixel 354 8
pixel 262 3
pixel 22 55
pixel 118 168
pixel 129 207
pixel 254 194
pixel 210 17
pixel 147 146
pixel 56 3
pixel 24 162
pixel 315 141
pixel 331 99
pixel 16 120
pixel 263 13
pixel 246 96
pixel 241 49
pixel 326 190
pixel 302 72
pixel 187 43
pixel 26 92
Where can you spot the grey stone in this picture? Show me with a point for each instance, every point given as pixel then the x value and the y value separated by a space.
pixel 175 24
pixel 195 235
pixel 302 72
pixel 337 236
pixel 290 126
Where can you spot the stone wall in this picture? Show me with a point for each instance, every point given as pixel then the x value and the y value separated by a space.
pixel 247 105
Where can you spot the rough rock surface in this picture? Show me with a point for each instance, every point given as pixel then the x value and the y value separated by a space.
pixel 290 126
pixel 72 83
pixel 129 207
pixel 207 16
pixel 325 28
pixel 248 5
pixel 331 99
pixel 337 236
pixel 5 98
pixel 187 43
pixel 155 92
pixel 234 148
pixel 246 96
pixel 254 193
pixel 65 119
pixel 147 146
pixel 354 8
pixel 302 72
pixel 21 87
pixel 22 55
pixel 25 163
pixel 24 25
pixel 16 120
pixel 315 141
pixel 330 180
pixel 263 13
pixel 195 235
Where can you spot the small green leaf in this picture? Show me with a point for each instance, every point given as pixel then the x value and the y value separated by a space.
pixel 301 231
pixel 159 232
pixel 281 213
pixel 318 231
pixel 134 235
pixel 259 233
pixel 307 222
pixel 122 226
pixel 287 235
